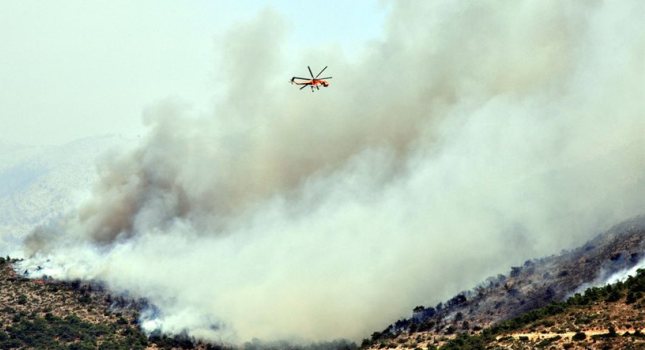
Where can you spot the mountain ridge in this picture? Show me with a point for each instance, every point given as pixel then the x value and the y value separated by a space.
pixel 533 285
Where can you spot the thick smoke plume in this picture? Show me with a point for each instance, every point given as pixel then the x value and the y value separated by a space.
pixel 474 135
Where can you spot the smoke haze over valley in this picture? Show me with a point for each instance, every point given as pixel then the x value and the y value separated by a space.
pixel 471 137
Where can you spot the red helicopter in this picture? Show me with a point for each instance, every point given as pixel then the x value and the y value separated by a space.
pixel 313 82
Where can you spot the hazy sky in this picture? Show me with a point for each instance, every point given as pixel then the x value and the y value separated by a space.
pixel 72 69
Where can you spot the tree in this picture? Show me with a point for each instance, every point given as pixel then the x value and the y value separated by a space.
pixel 614 295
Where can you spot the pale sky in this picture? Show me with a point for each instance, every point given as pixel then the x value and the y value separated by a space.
pixel 73 69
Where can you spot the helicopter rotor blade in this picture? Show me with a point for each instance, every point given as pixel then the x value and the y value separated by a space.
pixel 300 78
pixel 304 86
pixel 312 74
pixel 320 72
pixel 323 78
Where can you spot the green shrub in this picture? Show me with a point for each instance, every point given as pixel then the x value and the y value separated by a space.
pixel 579 336
pixel 548 341
pixel 633 296
pixel 614 295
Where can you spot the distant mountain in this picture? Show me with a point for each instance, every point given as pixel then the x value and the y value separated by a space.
pixel 40 183
pixel 534 285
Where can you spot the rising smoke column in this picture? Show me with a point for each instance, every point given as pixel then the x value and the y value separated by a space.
pixel 492 133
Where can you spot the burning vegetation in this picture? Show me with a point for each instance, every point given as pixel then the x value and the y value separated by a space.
pixel 48 314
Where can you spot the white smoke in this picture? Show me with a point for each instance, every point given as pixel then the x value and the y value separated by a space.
pixel 473 136
pixel 624 274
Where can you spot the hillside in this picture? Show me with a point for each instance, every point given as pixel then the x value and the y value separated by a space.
pixel 46 314
pixel 536 284
pixel 610 317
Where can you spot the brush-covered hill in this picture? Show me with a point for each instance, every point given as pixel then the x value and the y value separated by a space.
pixel 47 314
pixel 535 285
pixel 609 317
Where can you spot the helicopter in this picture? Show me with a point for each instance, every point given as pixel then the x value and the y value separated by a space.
pixel 313 82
